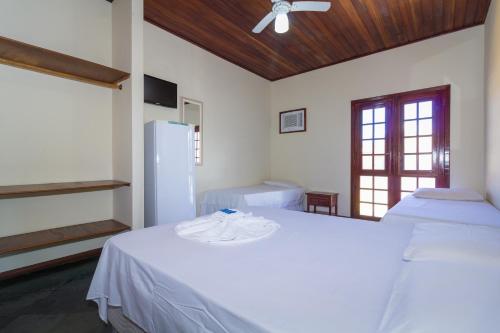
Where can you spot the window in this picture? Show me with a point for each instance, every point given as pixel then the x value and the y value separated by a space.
pixel 192 113
pixel 197 145
pixel 399 143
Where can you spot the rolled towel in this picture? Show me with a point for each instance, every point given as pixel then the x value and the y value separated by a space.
pixel 227 227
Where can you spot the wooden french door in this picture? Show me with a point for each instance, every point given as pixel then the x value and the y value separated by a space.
pixel 400 142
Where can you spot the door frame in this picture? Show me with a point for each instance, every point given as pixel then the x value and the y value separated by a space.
pixel 394 146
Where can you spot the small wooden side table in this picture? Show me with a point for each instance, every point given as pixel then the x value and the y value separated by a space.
pixel 322 199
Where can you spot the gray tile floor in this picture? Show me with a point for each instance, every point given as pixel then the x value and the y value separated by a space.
pixel 50 301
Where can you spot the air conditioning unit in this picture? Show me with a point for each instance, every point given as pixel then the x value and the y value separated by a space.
pixel 293 121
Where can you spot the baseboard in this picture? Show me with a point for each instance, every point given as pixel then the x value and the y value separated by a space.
pixel 50 264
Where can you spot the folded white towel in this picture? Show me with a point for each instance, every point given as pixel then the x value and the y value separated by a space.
pixel 227 229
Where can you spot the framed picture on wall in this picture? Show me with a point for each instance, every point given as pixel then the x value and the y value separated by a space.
pixel 293 121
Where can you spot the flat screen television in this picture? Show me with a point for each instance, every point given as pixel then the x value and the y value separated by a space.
pixel 160 92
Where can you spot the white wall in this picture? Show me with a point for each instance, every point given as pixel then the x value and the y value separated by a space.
pixel 235 105
pixel 128 112
pixel 320 158
pixel 492 65
pixel 52 129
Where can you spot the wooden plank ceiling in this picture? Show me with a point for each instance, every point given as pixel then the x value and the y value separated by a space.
pixel 351 29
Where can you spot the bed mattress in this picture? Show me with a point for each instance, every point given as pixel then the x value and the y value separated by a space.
pixel 253 196
pixel 418 210
pixel 442 297
pixel 316 274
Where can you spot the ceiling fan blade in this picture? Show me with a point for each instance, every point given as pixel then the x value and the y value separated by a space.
pixel 264 23
pixel 314 6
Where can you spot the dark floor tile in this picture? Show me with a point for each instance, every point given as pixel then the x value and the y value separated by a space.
pixel 51 301
pixel 63 323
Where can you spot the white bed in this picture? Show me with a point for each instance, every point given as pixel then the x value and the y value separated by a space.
pixel 263 195
pixel 316 274
pixel 444 297
pixel 419 210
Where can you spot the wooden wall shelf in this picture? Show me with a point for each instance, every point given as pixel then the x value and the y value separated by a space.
pixel 37 190
pixel 46 238
pixel 49 62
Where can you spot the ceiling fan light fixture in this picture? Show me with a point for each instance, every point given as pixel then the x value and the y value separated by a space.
pixel 281 9
pixel 281 24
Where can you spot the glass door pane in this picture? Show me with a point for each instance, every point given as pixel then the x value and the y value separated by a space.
pixel 417 130
pixel 418 146
pixel 373 189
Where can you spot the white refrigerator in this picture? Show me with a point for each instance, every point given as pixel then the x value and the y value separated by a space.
pixel 169 173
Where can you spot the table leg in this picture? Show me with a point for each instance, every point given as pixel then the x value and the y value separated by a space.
pixel 314 209
pixel 330 210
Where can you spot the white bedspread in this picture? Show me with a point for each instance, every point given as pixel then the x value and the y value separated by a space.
pixel 418 210
pixel 250 196
pixel 442 297
pixel 317 274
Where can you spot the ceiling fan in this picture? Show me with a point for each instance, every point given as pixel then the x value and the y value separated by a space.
pixel 282 8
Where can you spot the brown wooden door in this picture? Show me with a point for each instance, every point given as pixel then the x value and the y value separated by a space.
pixel 399 143
pixel 371 157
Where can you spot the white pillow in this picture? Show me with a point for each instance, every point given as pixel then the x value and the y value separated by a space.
pixel 454 243
pixel 458 194
pixel 282 183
